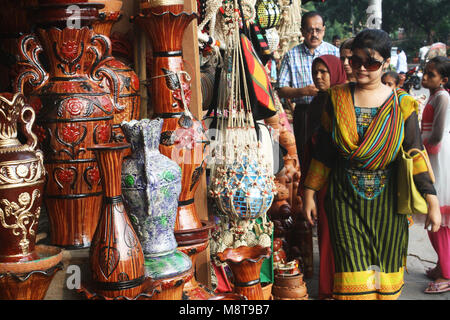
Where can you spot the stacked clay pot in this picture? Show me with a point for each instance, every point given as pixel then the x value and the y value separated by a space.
pixel 289 288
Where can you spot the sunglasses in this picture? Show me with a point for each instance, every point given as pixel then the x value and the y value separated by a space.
pixel 370 65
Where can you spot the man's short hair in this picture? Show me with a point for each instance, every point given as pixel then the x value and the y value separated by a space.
pixel 336 37
pixel 311 14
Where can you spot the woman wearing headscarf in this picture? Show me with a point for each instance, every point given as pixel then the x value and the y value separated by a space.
pixel 327 71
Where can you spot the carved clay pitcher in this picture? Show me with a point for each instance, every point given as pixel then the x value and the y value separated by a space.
pixel 21 181
pixel 76 113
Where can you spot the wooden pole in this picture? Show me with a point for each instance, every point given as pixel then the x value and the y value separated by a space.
pixel 192 66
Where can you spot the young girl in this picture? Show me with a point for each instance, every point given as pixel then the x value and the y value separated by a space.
pixel 391 79
pixel 436 138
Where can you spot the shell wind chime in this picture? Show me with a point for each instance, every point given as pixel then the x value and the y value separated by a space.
pixel 242 183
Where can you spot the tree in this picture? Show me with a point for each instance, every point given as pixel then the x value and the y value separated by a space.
pixel 421 19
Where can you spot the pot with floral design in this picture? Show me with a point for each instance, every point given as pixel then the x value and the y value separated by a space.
pixel 183 137
pixel 74 112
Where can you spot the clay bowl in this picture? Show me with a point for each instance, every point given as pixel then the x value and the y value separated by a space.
pixel 244 253
pixel 189 237
pixel 30 280
pixel 149 289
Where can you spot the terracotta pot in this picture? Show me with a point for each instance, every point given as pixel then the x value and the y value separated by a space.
pixel 30 280
pixel 245 263
pixel 57 14
pixel 289 287
pixel 22 177
pixel 116 259
pixel 288 281
pixel 126 82
pixel 289 292
pixel 172 288
pixel 183 137
pixel 149 289
pixel 73 113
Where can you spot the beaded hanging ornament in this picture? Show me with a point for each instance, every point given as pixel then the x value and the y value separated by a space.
pixel 241 181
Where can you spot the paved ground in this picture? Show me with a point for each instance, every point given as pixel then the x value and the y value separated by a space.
pixel 421 256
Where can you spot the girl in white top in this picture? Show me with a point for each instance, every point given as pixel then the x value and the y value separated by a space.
pixel 436 139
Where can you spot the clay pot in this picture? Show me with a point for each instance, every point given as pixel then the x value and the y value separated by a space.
pixel 289 288
pixel 245 263
pixel 172 288
pixel 116 259
pixel 183 138
pixel 22 177
pixel 30 280
pixel 126 82
pixel 73 113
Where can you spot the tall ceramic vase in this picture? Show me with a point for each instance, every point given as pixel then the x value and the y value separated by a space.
pixel 151 185
pixel 116 259
pixel 245 263
pixel 26 270
pixel 74 113
pixel 182 138
pixel 126 80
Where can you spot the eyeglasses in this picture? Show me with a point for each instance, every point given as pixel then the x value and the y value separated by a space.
pixel 370 65
pixel 314 30
pixel 343 58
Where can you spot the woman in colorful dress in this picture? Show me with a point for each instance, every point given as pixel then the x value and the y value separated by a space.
pixel 362 129
pixel 436 138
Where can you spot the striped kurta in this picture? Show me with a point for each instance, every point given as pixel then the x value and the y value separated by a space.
pixel 356 153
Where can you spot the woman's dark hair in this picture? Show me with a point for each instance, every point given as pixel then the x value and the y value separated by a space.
pixel 347 44
pixel 311 14
pixel 393 75
pixel 373 39
pixel 442 65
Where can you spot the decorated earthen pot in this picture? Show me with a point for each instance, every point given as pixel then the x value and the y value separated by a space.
pixel 22 176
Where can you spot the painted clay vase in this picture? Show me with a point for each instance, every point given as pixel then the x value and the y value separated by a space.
pixel 245 263
pixel 126 81
pixel 30 280
pixel 151 185
pixel 116 258
pixel 183 138
pixel 74 112
pixel 22 176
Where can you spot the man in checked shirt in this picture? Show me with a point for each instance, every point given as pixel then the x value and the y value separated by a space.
pixel 295 76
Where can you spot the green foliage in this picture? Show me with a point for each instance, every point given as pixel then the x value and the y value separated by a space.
pixel 422 20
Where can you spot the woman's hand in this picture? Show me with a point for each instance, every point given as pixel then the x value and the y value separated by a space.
pixel 309 206
pixel 434 213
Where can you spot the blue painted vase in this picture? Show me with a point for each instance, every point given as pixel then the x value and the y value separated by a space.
pixel 151 185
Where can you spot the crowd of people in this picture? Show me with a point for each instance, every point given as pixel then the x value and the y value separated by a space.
pixel 351 120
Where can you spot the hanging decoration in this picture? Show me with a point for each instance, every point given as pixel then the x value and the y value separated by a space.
pixel 241 186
